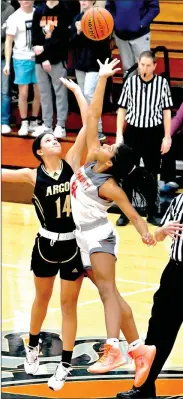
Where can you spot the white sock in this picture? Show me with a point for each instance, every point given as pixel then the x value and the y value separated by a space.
pixel 114 342
pixel 134 345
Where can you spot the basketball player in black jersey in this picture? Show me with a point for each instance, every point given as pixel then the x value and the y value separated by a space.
pixel 55 248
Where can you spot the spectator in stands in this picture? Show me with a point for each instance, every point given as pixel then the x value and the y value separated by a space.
pixel 145 104
pixel 168 167
pixel 50 41
pixel 132 21
pixel 85 55
pixel 15 4
pixel 18 30
pixel 99 3
pixel 6 11
pixel 73 9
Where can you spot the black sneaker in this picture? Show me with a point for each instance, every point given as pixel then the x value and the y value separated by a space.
pixel 155 220
pixel 169 188
pixel 101 136
pixel 136 393
pixel 122 221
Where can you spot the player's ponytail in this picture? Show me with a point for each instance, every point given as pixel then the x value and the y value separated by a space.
pixel 123 163
pixel 125 172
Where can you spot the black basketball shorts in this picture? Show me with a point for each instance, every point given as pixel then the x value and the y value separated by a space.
pixel 49 258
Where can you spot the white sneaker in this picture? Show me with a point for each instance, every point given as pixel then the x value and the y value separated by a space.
pixel 31 363
pixel 33 125
pixel 56 382
pixel 41 129
pixel 24 129
pixel 5 129
pixel 101 136
pixel 59 132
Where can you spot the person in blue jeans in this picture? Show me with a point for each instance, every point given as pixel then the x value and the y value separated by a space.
pixel 85 54
pixel 6 11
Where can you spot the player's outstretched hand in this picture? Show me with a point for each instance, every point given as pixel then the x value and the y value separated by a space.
pixel 108 68
pixel 149 239
pixel 172 229
pixel 70 84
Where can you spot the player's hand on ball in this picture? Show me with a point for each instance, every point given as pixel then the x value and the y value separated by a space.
pixel 108 68
pixel 149 239
pixel 70 84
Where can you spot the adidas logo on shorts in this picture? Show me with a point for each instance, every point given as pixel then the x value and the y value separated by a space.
pixel 75 271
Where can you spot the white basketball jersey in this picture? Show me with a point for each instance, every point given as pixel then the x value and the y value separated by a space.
pixel 88 208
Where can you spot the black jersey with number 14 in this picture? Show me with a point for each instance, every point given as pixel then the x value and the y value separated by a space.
pixel 51 199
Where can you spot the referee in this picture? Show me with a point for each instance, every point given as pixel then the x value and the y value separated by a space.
pixel 167 311
pixel 145 103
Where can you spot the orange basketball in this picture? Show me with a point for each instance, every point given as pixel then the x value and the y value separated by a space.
pixel 97 23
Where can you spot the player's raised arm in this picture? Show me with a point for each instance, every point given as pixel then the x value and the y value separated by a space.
pixel 95 109
pixel 73 157
pixel 24 175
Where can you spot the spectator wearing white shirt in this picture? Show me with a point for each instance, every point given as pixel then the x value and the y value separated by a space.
pixel 6 11
pixel 19 26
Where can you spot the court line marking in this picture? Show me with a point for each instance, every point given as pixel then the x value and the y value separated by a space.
pixel 81 304
pixel 13 266
pixel 123 294
pixel 77 379
pixel 135 282
pixel 8 320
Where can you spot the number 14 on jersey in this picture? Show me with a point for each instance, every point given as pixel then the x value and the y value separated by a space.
pixel 63 207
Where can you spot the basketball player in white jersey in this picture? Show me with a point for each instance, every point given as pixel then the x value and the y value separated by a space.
pixel 93 189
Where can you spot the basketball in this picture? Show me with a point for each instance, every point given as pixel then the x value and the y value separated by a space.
pixel 97 23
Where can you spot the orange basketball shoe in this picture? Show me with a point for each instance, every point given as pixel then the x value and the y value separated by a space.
pixel 143 357
pixel 111 359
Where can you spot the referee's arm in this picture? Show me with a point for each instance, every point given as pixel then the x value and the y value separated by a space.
pixel 167 104
pixel 120 120
pixel 121 113
pixel 168 224
pixel 167 122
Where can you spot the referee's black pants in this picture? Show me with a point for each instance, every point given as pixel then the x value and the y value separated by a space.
pixel 146 144
pixel 166 318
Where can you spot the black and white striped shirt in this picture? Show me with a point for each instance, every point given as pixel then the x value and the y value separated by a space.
pixel 175 212
pixel 145 101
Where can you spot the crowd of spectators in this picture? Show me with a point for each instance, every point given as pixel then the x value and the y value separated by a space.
pixel 38 37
